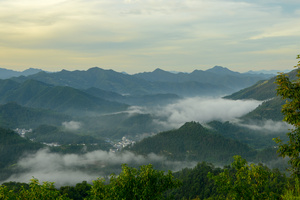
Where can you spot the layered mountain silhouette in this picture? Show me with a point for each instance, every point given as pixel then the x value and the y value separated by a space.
pixel 6 73
pixel 36 94
pixel 216 81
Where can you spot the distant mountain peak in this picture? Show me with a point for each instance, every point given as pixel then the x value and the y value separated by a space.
pixel 158 70
pixel 219 69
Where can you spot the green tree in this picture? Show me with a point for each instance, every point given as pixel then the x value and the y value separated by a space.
pixel 290 91
pixel 45 191
pixel 132 184
pixel 244 181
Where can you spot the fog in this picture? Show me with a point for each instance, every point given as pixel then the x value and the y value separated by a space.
pixel 70 169
pixel 71 125
pixel 269 126
pixel 203 110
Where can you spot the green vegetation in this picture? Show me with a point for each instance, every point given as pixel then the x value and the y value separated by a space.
pixel 193 142
pixel 244 181
pixel 131 183
pixel 270 109
pixel 290 90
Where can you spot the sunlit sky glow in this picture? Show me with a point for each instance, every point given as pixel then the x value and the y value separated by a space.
pixel 141 35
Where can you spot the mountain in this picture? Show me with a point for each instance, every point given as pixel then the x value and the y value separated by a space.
pixel 262 90
pixel 271 72
pixel 134 100
pixel 247 133
pixel 193 142
pixel 216 76
pixel 13 115
pixel 6 73
pixel 12 147
pixel 266 91
pixel 35 94
pixel 197 83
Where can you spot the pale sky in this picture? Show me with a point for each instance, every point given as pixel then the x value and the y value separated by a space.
pixel 141 35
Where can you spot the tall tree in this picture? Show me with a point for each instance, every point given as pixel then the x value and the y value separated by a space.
pixel 290 91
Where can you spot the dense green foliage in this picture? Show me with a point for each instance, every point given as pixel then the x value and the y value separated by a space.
pixel 195 182
pixel 193 142
pixel 130 184
pixel 244 181
pixel 290 90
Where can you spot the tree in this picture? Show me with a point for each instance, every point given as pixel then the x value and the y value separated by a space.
pixel 132 184
pixel 45 191
pixel 290 90
pixel 244 181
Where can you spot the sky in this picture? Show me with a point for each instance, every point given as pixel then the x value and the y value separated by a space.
pixel 142 35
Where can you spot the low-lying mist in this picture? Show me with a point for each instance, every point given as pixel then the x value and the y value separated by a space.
pixel 198 109
pixel 69 169
pixel 268 126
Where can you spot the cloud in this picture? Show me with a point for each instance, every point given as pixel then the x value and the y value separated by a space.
pixel 269 126
pixel 203 110
pixel 149 33
pixel 70 169
pixel 72 125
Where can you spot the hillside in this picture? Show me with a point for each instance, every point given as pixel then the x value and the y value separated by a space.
pixel 12 146
pixel 193 142
pixel 35 94
pixel 13 116
pixel 52 134
pixel 263 90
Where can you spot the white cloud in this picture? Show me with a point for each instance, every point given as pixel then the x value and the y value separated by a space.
pixel 72 125
pixel 70 169
pixel 148 33
pixel 204 110
pixel 269 126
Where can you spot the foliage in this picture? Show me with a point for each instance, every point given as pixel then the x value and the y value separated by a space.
pixel 45 191
pixel 130 184
pixel 290 90
pixel 244 181
pixel 143 183
pixel 79 192
pixel 293 191
pixel 195 182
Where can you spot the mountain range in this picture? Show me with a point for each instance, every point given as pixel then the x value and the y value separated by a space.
pixel 216 81
pixel 36 94
pixel 6 73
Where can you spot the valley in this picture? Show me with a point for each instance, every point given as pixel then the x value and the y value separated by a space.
pixel 89 124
